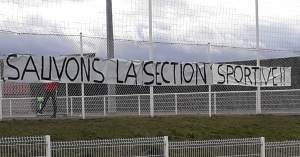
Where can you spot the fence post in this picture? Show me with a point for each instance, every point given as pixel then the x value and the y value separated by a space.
pixel 166 146
pixel 209 86
pixel 104 106
pixel 151 56
pixel 67 107
pixel 71 107
pixel 48 146
pixel 111 88
pixel 263 147
pixel 258 94
pixel 82 84
pixel 10 108
pixel 176 105
pixel 1 83
pixel 139 101
pixel 215 103
pixel 258 100
pixel 67 99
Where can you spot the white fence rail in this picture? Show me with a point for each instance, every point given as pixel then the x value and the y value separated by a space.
pixel 216 148
pixel 25 146
pixel 138 147
pixel 229 102
pixel 283 149
pixel 42 146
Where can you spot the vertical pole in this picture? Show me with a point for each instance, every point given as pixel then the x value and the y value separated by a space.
pixel 104 106
pixel 48 146
pixel 1 96
pixel 258 93
pixel 109 27
pixel 71 106
pixel 215 103
pixel 10 108
pixel 263 147
pixel 111 89
pixel 139 103
pixel 82 84
pixel 176 105
pixel 209 86
pixel 166 146
pixel 56 97
pixel 151 56
pixel 67 99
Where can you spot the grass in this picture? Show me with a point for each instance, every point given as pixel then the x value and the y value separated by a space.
pixel 274 128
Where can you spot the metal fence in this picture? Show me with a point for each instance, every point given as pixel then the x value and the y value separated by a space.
pixel 42 146
pixel 222 103
pixel 181 32
pixel 229 23
pixel 283 149
pixel 218 148
pixel 25 146
pixel 134 147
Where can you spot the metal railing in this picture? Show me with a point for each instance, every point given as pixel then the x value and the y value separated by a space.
pixel 283 149
pixel 42 146
pixel 223 103
pixel 25 146
pixel 155 146
pixel 217 148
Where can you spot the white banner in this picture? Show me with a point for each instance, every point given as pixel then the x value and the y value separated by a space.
pixel 230 74
pixel 68 69
pixel 176 73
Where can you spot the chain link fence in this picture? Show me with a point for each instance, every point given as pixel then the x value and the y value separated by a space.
pixel 228 23
pixel 182 31
pixel 20 99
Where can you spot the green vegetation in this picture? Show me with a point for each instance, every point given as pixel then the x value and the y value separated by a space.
pixel 274 128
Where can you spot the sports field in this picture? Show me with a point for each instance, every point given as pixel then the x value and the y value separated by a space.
pixel 274 128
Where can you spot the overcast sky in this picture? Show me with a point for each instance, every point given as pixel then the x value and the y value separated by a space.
pixel 219 22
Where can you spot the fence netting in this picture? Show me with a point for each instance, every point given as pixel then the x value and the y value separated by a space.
pixel 182 31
